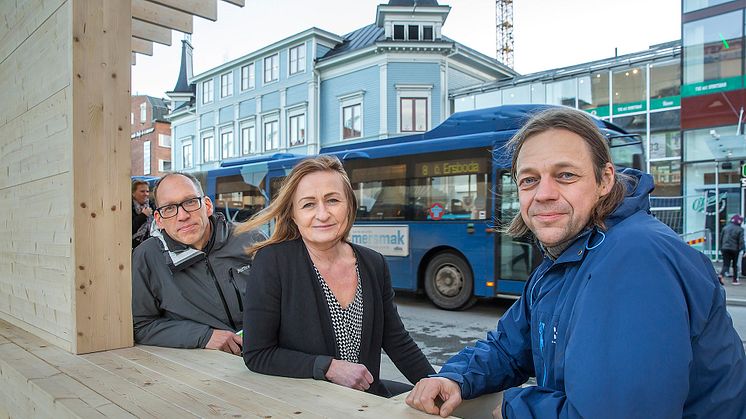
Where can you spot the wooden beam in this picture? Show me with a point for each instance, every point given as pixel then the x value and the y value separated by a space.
pixel 142 46
pixel 239 3
pixel 207 9
pixel 162 15
pixel 151 32
pixel 133 61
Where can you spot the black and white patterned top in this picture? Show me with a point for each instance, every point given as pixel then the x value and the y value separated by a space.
pixel 347 322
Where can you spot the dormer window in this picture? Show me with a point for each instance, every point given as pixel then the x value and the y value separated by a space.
pixel 413 32
pixel 398 32
pixel 427 33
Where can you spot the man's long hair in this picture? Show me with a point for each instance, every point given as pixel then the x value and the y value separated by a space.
pixel 580 123
pixel 280 210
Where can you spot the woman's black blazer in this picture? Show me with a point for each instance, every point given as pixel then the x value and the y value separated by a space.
pixel 287 325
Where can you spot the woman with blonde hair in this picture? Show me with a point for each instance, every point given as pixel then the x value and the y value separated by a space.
pixel 316 305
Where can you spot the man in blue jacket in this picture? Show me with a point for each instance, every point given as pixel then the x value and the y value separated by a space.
pixel 621 320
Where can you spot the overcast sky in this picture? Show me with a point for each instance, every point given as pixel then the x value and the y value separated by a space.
pixel 548 33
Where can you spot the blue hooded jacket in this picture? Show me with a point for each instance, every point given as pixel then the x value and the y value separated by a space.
pixel 627 323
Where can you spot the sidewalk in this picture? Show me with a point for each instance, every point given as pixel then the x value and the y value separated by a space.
pixel 734 295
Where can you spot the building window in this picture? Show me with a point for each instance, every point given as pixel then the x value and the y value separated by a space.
pixel 562 92
pixel 297 57
pixel 132 118
pixel 186 155
pixel 352 121
pixel 398 32
pixel 207 91
pixel 413 32
pixel 248 139
pixel 226 85
pixel 146 158
pixel 271 135
pixel 593 93
pixel 164 140
pixel 427 33
pixel 247 77
pixel 208 148
pixel 143 113
pixel 271 68
pixel 297 129
pixel 712 54
pixel 413 114
pixel 226 144
pixel 164 165
pixel 692 5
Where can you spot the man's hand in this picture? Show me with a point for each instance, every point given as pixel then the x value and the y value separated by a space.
pixel 226 341
pixel 423 395
pixel 147 211
pixel 349 375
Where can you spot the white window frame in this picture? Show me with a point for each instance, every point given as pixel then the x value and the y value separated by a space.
pixel 146 158
pixel 208 153
pixel 161 165
pixel 226 142
pixel 187 163
pixel 248 77
pixel 250 145
pixel 143 113
pixel 271 119
pixel 300 59
pixel 226 85
pixel 164 140
pixel 207 92
pixel 274 68
pixel 415 91
pixel 132 118
pixel 345 101
pixel 300 116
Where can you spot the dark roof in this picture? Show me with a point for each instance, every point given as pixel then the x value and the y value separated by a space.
pixel 182 85
pixel 160 107
pixel 358 39
pixel 412 3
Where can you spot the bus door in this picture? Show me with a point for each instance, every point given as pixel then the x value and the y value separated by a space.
pixel 516 257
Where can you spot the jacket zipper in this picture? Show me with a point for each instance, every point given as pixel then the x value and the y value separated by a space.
pixel 235 287
pixel 220 292
pixel 541 349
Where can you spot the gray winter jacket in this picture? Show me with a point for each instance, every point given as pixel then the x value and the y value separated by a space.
pixel 179 294
pixel 731 238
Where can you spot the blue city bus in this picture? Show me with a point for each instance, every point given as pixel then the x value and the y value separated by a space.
pixel 431 203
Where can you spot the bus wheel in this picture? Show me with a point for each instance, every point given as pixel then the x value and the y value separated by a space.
pixel 449 282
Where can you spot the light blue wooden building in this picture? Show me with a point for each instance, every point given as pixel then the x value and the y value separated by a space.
pixel 393 77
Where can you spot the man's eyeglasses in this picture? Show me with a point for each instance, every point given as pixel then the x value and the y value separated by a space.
pixel 189 205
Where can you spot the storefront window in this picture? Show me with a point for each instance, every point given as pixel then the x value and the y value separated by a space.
pixel 711 143
pixel 712 54
pixel 593 93
pixel 519 94
pixel 562 93
pixel 629 90
pixel 634 124
pixel 537 93
pixel 465 103
pixel 667 177
pixel 665 81
pixel 488 100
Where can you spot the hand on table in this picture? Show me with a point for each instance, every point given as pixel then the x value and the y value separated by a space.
pixel 226 341
pixel 426 391
pixel 349 375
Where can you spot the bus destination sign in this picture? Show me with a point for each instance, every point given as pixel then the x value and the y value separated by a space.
pixel 451 167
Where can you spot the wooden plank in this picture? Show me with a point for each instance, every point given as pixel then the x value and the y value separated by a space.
pixel 100 170
pixel 239 3
pixel 20 19
pixel 207 9
pixel 142 46
pixel 338 401
pixel 151 32
pixel 162 15
pixel 247 401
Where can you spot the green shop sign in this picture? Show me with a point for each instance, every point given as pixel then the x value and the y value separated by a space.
pixel 631 107
pixel 712 86
pixel 665 102
pixel 600 112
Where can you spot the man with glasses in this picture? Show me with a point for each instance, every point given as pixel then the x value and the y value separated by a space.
pixel 188 279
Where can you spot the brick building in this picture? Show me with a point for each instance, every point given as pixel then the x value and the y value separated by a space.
pixel 150 143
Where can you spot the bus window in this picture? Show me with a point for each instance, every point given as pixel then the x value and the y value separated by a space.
pixel 516 255
pixel 237 199
pixel 626 151
pixel 274 186
pixel 450 189
pixel 380 191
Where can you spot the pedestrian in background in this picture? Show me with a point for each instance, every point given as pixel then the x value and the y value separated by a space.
pixel 142 212
pixel 731 244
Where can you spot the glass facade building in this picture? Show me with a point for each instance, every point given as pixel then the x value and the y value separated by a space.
pixel 639 92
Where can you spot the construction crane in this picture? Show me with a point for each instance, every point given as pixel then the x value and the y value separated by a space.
pixel 504 27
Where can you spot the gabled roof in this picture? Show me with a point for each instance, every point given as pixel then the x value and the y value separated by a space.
pixel 357 39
